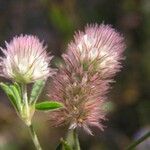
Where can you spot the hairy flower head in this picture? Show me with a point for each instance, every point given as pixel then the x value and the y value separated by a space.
pixel 25 60
pixel 91 61
pixel 98 49
pixel 81 99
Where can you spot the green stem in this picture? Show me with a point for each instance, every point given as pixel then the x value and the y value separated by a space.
pixel 76 140
pixel 34 138
pixel 25 97
pixel 26 109
pixel 140 140
pixel 27 117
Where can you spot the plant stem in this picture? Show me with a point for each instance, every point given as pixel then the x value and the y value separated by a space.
pixel 34 138
pixel 76 140
pixel 26 104
pixel 25 97
pixel 27 117
pixel 140 140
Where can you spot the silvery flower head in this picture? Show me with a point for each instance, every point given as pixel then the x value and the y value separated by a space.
pixel 91 61
pixel 25 60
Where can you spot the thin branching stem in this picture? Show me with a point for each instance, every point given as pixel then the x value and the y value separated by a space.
pixel 140 140
pixel 34 138
pixel 25 99
pixel 27 119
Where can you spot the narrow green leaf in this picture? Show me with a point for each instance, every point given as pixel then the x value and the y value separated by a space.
pixel 10 94
pixel 17 96
pixel 48 105
pixel 36 91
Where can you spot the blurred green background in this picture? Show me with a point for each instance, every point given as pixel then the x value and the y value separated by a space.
pixel 55 21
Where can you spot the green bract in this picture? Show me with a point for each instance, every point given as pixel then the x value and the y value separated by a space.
pixel 48 105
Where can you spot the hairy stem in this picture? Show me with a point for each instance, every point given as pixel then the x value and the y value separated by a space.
pixel 34 138
pixel 140 140
pixel 26 104
pixel 76 140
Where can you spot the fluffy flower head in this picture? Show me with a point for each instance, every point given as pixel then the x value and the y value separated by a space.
pixel 25 60
pixel 99 48
pixel 91 61
pixel 81 99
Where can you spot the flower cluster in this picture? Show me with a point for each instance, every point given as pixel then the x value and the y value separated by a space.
pixel 25 60
pixel 81 84
pixel 91 61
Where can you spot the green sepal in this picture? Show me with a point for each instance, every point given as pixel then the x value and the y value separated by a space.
pixel 63 145
pixel 36 91
pixel 48 105
pixel 13 94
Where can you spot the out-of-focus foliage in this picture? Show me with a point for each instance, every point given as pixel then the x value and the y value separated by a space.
pixel 55 21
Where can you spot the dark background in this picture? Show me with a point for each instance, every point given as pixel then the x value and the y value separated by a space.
pixel 55 21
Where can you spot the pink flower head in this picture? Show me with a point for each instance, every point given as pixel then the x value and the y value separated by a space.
pixel 82 99
pixel 25 60
pixel 99 48
pixel 91 61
